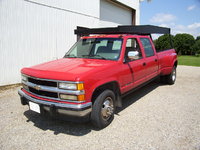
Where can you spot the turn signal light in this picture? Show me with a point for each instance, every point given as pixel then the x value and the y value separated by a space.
pixel 80 86
pixel 81 97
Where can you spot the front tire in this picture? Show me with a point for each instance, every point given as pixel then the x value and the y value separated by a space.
pixel 103 109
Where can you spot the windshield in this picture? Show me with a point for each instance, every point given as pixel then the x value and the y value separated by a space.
pixel 96 48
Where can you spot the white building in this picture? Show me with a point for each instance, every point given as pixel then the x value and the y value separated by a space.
pixel 36 31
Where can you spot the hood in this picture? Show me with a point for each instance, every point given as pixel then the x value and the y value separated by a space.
pixel 69 69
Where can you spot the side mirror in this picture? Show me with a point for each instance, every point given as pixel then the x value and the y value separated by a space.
pixel 133 55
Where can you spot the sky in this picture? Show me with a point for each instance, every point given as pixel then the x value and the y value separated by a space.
pixel 182 16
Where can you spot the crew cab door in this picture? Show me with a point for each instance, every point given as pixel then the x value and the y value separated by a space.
pixel 133 69
pixel 150 60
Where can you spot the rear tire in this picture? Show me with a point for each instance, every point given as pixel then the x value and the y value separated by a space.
pixel 103 109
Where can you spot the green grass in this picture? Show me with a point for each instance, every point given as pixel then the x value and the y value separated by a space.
pixel 189 60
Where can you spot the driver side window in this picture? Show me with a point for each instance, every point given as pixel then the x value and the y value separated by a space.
pixel 133 46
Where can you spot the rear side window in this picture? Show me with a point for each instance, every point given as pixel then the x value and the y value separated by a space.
pixel 148 49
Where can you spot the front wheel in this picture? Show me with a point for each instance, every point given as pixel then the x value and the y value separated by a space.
pixel 103 109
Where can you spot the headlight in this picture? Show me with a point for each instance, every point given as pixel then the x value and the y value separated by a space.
pixel 68 86
pixel 24 78
pixel 71 86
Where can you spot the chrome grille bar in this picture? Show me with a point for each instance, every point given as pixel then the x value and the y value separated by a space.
pixel 53 89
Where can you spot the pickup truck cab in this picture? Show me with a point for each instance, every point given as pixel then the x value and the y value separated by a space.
pixel 90 80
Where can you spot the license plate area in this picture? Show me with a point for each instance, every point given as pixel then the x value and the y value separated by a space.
pixel 34 107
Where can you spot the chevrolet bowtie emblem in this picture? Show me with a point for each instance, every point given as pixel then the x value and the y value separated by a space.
pixel 37 87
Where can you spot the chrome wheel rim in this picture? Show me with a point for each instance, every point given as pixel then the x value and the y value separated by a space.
pixel 107 108
pixel 174 75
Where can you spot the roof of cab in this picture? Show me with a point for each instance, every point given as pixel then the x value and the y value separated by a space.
pixel 111 36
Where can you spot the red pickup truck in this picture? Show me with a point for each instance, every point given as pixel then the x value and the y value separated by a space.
pixel 104 65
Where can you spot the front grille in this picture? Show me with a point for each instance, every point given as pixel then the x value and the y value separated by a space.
pixel 42 82
pixel 43 93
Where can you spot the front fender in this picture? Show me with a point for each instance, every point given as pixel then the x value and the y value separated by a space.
pixel 98 84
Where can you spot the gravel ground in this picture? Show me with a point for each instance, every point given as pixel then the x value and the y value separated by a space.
pixel 156 117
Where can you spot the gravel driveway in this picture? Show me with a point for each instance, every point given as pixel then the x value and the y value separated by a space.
pixel 156 117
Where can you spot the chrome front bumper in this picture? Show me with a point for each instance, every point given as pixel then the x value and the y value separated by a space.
pixel 79 110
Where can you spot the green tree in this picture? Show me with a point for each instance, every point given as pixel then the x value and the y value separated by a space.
pixel 155 41
pixel 183 43
pixel 198 38
pixel 196 47
pixel 163 42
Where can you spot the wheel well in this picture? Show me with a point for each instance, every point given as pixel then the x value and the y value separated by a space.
pixel 176 63
pixel 113 86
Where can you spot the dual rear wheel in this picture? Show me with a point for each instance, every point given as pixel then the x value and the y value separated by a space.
pixel 171 78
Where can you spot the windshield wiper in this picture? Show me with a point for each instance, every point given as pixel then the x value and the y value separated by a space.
pixel 70 56
pixel 94 56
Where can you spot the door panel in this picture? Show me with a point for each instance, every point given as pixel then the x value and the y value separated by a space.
pixel 138 71
pixel 151 67
pixel 125 78
pixel 134 70
pixel 132 75
pixel 150 59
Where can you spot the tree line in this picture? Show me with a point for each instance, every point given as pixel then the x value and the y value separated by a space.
pixel 185 44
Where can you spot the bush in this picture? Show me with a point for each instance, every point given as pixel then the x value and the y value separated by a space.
pixel 183 43
pixel 197 55
pixel 196 47
pixel 163 42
